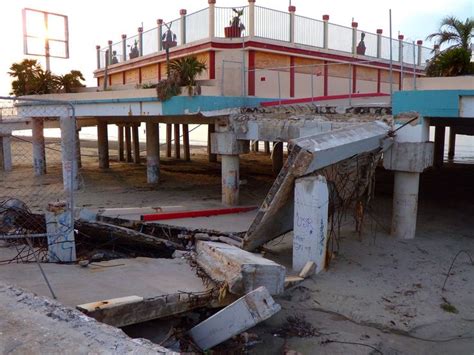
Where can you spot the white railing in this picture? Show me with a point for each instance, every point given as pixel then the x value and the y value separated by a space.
pixel 268 24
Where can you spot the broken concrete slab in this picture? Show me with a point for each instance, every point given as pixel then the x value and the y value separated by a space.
pixel 243 314
pixel 33 324
pixel 309 154
pixel 241 270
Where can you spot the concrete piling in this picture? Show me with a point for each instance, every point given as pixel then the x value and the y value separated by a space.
pixel 211 128
pixel 277 157
pixel 267 148
pixel 152 153
pixel 128 144
pixel 39 153
pixel 230 179
pixel 136 144
pixel 440 132
pixel 405 204
pixel 68 153
pixel 78 148
pixel 103 144
pixel 120 135
pixel 452 143
pixel 187 149
pixel 5 153
pixel 177 141
pixel 168 140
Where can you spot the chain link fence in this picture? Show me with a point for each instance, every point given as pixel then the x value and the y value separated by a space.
pixel 38 176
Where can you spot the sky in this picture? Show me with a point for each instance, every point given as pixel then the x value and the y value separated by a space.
pixel 93 23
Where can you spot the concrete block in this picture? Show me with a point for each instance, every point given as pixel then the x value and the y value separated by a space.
pixel 226 143
pixel 310 222
pixel 243 271
pixel 243 314
pixel 409 156
pixel 308 269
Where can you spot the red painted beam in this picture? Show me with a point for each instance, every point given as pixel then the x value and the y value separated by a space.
pixel 212 65
pixel 321 98
pixel 251 73
pixel 193 214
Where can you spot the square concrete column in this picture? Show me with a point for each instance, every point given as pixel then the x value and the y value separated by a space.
pixel 212 18
pixel 39 153
pixel 5 153
pixel 60 228
pixel 152 153
pixel 325 31
pixel 103 144
pixel 310 231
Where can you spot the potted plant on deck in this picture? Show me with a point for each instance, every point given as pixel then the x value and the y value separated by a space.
pixel 236 26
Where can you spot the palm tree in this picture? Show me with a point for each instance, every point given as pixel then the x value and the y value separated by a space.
pixel 453 30
pixel 71 80
pixel 187 69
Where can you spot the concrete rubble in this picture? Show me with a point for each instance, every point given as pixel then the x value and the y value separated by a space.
pixel 246 312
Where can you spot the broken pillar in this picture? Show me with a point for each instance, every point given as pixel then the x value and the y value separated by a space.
pixel 103 144
pixel 60 229
pixel 440 132
pixel 177 141
pixel 70 165
pixel 152 153
pixel 120 138
pixel 277 157
pixel 243 314
pixel 452 143
pixel 39 153
pixel 136 144
pixel 409 155
pixel 241 270
pixel 310 222
pixel 187 149
pixel 230 179
pixel 128 143
pixel 210 130
pixel 5 153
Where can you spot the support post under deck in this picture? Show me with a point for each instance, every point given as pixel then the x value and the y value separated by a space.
pixel 39 152
pixel 152 153
pixel 103 144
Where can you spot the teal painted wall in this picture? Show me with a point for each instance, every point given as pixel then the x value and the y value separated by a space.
pixel 179 105
pixel 429 103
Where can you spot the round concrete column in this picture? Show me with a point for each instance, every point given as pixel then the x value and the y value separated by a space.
pixel 152 153
pixel 39 154
pixel 405 204
pixel 230 179
pixel 103 145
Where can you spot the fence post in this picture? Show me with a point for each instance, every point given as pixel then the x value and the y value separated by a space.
pixel 97 48
pixel 354 37
pixel 212 18
pixel 400 48
pixel 140 40
pixel 292 10
pixel 325 31
pixel 251 18
pixel 379 43
pixel 109 57
pixel 159 22
pixel 183 13
pixel 419 44
pixel 124 47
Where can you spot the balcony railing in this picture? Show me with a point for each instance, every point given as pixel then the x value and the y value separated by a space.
pixel 261 22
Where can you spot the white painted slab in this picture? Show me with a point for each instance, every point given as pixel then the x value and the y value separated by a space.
pixel 310 222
